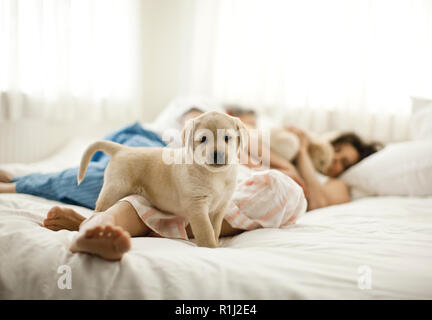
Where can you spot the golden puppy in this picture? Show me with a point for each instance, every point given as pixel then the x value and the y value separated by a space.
pixel 198 186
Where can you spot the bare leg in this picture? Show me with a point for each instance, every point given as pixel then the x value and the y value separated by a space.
pixel 59 218
pixel 107 234
pixel 7 187
pixel 5 182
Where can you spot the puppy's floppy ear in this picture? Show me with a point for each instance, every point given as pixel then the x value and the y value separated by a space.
pixel 243 134
pixel 188 135
pixel 322 154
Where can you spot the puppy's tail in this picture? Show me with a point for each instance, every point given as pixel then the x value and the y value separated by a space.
pixel 108 147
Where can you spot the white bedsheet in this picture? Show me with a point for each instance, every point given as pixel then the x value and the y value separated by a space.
pixel 318 258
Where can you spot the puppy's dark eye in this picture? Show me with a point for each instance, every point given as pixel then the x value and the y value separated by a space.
pixel 203 139
pixel 227 138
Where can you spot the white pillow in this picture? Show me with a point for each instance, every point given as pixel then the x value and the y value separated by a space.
pixel 402 169
pixel 421 120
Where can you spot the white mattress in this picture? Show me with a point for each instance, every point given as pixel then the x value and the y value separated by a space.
pixel 324 256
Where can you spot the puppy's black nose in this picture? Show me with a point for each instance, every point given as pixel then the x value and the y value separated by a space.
pixel 219 157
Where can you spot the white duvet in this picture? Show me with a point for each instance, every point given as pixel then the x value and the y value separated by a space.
pixel 373 248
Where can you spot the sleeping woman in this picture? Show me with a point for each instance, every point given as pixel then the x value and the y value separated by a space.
pixel 262 199
pixel 325 190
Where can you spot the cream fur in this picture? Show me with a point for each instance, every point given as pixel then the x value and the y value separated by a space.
pixel 198 192
pixel 287 145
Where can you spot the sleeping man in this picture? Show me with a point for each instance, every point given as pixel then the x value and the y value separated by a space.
pixel 263 198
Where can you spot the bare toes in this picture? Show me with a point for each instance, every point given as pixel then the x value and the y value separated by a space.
pixel 122 243
pixel 118 231
pixel 108 231
pixel 107 241
pixel 98 232
pixel 90 233
pixel 53 213
pixel 49 223
pixel 51 227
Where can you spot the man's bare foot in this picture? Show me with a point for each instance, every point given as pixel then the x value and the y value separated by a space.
pixel 108 241
pixel 63 218
pixel 5 176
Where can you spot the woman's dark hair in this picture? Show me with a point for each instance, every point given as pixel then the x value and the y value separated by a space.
pixel 364 149
pixel 238 111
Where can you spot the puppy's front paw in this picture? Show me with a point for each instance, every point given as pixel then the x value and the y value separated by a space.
pixel 207 245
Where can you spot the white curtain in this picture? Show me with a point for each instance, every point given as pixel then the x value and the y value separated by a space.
pixel 356 55
pixel 69 59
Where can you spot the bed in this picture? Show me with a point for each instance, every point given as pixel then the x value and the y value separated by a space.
pixel 371 248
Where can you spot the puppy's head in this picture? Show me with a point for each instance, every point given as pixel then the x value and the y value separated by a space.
pixel 214 139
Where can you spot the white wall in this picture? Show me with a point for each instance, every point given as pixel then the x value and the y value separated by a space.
pixel 30 140
pixel 167 31
pixel 167 28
